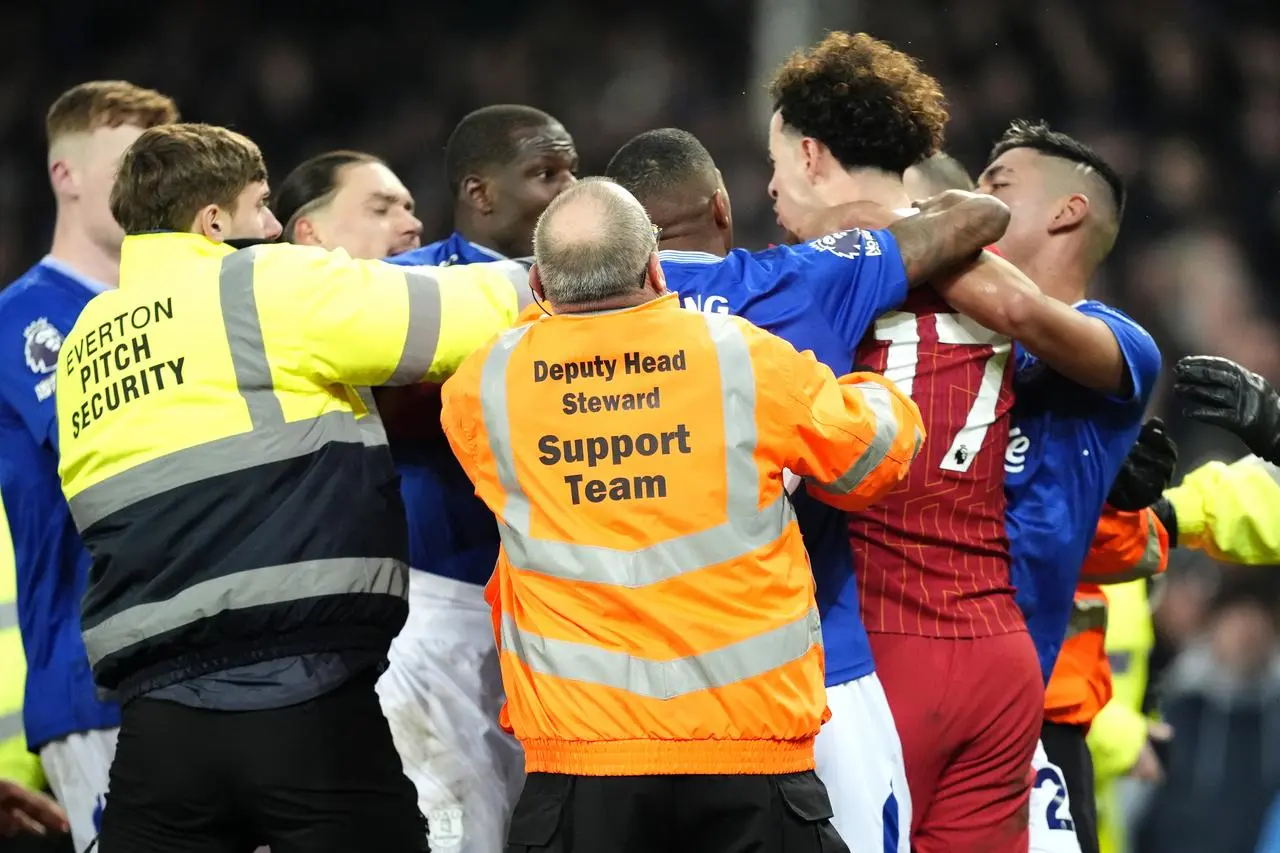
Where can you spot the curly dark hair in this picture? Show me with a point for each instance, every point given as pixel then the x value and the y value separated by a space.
pixel 867 102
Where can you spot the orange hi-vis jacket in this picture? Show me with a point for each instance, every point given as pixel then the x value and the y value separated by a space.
pixel 1126 544
pixel 653 603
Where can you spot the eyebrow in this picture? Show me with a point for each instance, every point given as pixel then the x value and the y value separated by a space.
pixel 389 198
pixel 994 172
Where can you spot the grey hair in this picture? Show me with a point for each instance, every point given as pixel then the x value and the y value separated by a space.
pixel 597 251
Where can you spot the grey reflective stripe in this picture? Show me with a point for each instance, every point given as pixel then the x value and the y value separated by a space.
pixel 497 422
pixel 422 338
pixel 738 402
pixel 244 336
pixel 666 679
pixel 10 726
pixel 1087 615
pixel 746 529
pixel 372 431
pixel 518 274
pixel 880 401
pixel 1150 561
pixel 8 615
pixel 221 456
pixel 251 588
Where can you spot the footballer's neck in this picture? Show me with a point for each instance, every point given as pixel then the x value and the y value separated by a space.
pixel 874 185
pixel 1059 273
pixel 466 225
pixel 72 245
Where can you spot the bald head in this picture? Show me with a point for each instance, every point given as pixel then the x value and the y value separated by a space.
pixel 935 175
pixel 592 244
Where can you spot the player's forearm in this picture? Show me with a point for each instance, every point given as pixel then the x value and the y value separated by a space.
pixel 1078 347
pixel 997 295
pixel 935 243
pixel 992 292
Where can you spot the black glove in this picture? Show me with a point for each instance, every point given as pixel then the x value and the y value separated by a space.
pixel 1222 393
pixel 1147 470
pixel 1169 518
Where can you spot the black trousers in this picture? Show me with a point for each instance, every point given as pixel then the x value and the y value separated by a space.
pixel 319 777
pixel 51 843
pixel 673 814
pixel 1065 746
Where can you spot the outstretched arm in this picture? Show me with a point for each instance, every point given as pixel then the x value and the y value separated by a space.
pixel 1082 348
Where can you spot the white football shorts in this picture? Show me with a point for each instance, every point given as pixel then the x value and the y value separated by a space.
pixel 78 768
pixel 860 760
pixel 441 696
pixel 1052 830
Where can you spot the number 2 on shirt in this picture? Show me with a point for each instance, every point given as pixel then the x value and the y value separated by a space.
pixel 902 332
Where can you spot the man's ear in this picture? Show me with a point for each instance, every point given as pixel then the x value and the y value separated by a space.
pixel 656 278
pixel 305 233
pixel 535 283
pixel 209 221
pixel 720 210
pixel 478 193
pixel 63 179
pixel 1071 212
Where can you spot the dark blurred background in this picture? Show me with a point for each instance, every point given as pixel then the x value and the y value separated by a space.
pixel 1182 97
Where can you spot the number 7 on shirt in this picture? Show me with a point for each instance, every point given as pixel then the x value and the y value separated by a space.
pixel 902 332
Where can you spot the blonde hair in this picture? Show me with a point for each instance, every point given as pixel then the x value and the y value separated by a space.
pixel 107 103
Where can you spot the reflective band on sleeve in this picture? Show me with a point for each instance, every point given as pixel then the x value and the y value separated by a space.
pixel 518 274
pixel 1087 615
pixel 214 458
pixel 372 430
pixel 880 401
pixel 423 336
pixel 8 615
pixel 667 679
pixel 252 588
pixel 746 529
pixel 244 336
pixel 1150 562
pixel 10 726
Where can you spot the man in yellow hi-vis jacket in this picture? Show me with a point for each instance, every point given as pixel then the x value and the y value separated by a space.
pixel 1231 512
pixel 247 535
pixel 16 763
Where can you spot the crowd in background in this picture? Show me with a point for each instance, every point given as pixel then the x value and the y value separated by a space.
pixel 1182 97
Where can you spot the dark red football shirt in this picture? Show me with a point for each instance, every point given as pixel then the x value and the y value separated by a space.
pixel 933 556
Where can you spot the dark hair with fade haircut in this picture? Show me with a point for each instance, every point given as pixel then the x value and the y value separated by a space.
pixel 866 101
pixel 486 138
pixel 657 162
pixel 311 184
pixel 170 172
pixel 1038 136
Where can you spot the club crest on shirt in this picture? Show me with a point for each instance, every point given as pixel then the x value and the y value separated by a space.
pixel 41 343
pixel 848 244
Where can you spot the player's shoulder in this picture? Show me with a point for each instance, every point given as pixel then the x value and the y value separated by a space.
pixel 429 255
pixel 37 312
pixel 38 289
pixel 1133 337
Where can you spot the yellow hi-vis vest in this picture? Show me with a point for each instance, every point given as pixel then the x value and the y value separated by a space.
pixel 15 762
pixel 214 453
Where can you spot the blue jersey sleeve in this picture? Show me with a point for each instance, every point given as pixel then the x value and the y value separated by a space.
pixel 28 371
pixel 1141 355
pixel 860 275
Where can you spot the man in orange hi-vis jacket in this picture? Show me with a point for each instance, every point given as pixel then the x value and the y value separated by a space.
pixel 653 602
